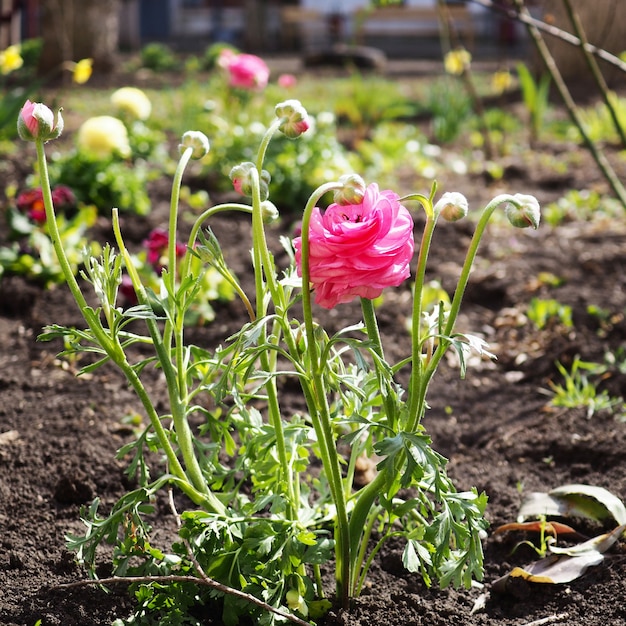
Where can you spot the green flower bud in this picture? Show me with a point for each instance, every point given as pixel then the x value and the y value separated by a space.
pixel 452 206
pixel 523 211
pixel 294 116
pixel 352 192
pixel 196 140
pixel 241 177
pixel 269 211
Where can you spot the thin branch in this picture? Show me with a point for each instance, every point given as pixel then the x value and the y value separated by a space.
pixel 557 617
pixel 201 579
pixel 208 582
pixel 230 590
pixel 548 60
pixel 527 19
pixel 595 70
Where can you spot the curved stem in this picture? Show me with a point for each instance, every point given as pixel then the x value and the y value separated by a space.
pixel 421 385
pixel 414 405
pixel 181 425
pixel 113 350
pixel 321 413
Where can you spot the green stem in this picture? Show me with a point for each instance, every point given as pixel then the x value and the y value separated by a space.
pixel 321 414
pixel 371 326
pixel 264 267
pixel 265 142
pixel 113 350
pixel 177 312
pixel 416 407
pixel 360 572
pixel 205 215
pixel 173 221
pixel 181 425
pixel 421 385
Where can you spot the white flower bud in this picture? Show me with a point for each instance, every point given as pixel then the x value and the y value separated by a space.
pixel 523 211
pixel 452 206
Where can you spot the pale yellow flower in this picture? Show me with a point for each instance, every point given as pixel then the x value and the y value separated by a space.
pixel 132 101
pixel 82 71
pixel 501 81
pixel 457 61
pixel 104 136
pixel 10 60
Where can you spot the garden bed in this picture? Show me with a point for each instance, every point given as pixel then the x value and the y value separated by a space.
pixel 59 434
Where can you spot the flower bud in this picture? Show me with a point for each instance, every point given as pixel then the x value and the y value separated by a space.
pixel 294 116
pixel 352 191
pixel 523 211
pixel 452 206
pixel 196 140
pixel 269 211
pixel 36 121
pixel 242 180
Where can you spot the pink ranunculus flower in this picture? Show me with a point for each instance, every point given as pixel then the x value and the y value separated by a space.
pixel 247 71
pixel 287 81
pixel 356 250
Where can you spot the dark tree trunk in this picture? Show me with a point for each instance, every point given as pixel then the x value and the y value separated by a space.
pixel 79 29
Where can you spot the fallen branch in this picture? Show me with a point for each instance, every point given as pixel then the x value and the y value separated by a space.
pixel 208 582
pixel 548 620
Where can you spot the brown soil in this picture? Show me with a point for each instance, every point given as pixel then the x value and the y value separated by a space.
pixel 59 434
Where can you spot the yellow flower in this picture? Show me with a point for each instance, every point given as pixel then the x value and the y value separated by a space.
pixel 104 136
pixel 132 101
pixel 501 81
pixel 82 71
pixel 457 61
pixel 10 60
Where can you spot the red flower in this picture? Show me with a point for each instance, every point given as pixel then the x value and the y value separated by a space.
pixel 157 244
pixel 356 250
pixel 31 202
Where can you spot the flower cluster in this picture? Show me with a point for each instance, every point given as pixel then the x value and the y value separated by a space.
pixel 277 532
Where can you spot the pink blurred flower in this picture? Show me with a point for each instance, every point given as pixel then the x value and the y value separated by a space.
pixel 287 81
pixel 246 71
pixel 356 250
pixel 226 55
pixel 156 245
